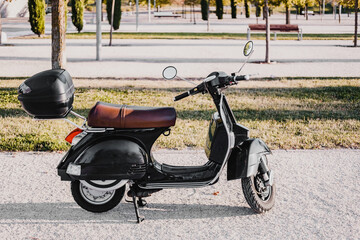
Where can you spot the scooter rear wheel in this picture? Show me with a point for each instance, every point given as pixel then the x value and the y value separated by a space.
pixel 94 200
pixel 261 198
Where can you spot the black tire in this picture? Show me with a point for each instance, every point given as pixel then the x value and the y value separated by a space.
pixel 107 205
pixel 260 203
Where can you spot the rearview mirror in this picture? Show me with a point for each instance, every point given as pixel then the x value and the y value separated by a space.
pixel 248 48
pixel 169 72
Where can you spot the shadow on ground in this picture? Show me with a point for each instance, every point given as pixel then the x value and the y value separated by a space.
pixel 30 213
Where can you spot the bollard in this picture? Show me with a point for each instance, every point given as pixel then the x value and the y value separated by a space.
pixel 300 35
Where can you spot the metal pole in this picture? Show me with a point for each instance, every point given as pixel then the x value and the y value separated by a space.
pixel 208 21
pixel 137 15
pixel 112 21
pixel 356 23
pixel 323 10
pixel 98 30
pixel 267 55
pixel 149 10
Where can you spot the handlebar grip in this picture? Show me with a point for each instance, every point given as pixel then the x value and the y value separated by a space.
pixel 181 96
pixel 242 78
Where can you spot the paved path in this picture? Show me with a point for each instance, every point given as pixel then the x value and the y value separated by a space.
pixel 193 58
pixel 19 27
pixel 317 198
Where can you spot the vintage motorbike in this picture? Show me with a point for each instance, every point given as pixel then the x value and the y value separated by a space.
pixel 112 148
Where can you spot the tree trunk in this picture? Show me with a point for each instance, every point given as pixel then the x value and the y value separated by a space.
pixel 306 12
pixel 287 15
pixel 0 28
pixel 267 56
pixel 339 13
pixel 58 35
pixel 297 11
pixel 356 22
pixel 264 14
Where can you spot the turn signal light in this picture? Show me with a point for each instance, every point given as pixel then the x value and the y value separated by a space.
pixel 73 134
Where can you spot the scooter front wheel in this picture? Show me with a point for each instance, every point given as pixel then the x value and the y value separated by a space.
pixel 95 200
pixel 260 197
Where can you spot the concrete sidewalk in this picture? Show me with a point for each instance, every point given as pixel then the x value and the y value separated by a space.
pixel 130 58
pixel 20 27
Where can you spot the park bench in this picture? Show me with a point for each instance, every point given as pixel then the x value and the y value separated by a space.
pixel 275 28
pixel 166 14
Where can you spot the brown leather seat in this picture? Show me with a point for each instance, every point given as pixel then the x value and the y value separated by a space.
pixel 123 116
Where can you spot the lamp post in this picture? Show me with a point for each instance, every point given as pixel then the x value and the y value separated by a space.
pixel 98 30
pixel 137 15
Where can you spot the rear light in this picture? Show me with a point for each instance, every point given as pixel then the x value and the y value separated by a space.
pixel 75 136
pixel 73 169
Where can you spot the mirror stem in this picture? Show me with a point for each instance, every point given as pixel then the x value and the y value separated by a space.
pixel 245 61
pixel 187 80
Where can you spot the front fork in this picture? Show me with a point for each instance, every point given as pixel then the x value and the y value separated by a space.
pixel 267 174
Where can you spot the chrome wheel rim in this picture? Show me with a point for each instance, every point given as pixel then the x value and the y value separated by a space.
pixel 95 197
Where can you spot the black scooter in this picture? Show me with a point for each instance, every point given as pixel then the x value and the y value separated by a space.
pixel 112 148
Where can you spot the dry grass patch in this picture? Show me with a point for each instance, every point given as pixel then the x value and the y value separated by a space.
pixel 287 114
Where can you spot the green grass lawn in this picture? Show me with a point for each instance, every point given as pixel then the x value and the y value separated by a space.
pixel 190 35
pixel 286 114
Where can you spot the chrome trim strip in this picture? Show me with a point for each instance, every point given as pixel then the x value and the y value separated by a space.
pixel 175 185
pixel 117 186
pixel 77 115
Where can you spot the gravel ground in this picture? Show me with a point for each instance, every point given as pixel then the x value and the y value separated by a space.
pixel 317 198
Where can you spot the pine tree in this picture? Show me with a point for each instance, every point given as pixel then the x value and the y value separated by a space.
pixel 77 8
pixel 117 13
pixel 233 8
pixel 37 16
pixel 247 10
pixel 219 9
pixel 204 10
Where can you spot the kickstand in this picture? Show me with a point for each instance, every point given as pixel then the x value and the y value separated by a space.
pixel 138 217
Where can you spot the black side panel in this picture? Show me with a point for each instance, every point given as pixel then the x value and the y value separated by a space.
pixel 117 159
pixel 244 159
pixel 144 138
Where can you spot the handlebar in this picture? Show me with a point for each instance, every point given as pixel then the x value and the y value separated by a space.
pixel 181 96
pixel 242 78
pixel 229 80
pixel 198 89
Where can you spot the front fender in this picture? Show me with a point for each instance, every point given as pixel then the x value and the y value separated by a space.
pixel 245 158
